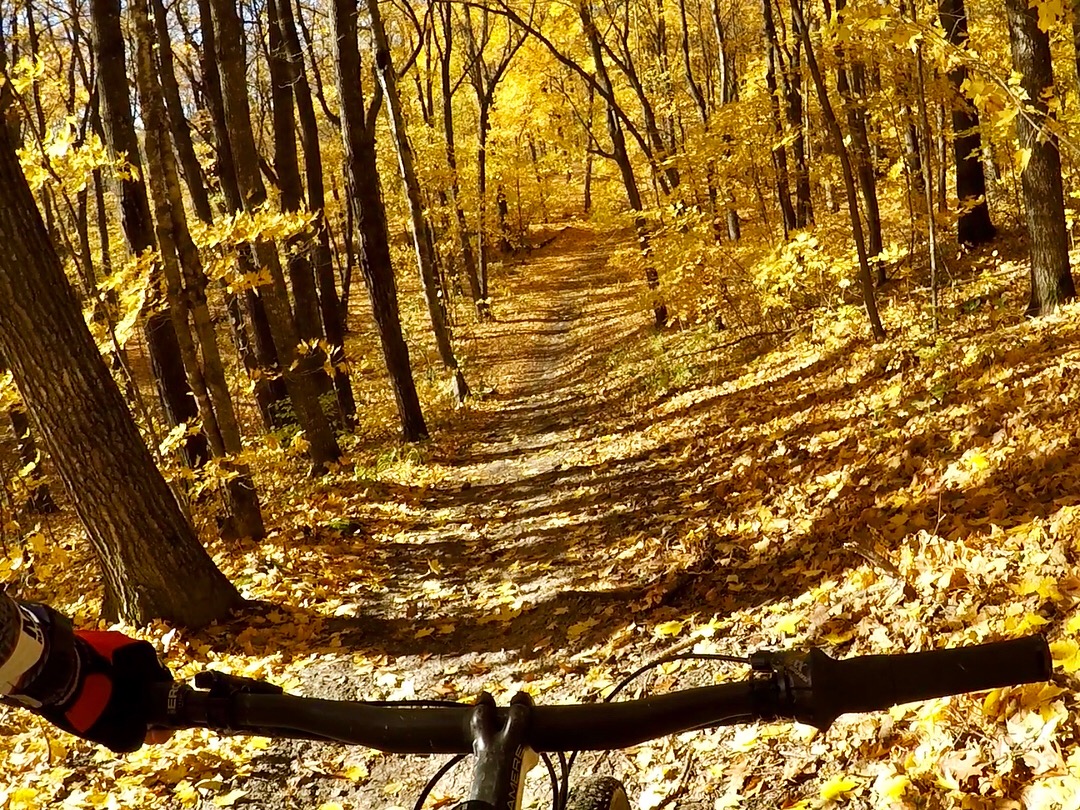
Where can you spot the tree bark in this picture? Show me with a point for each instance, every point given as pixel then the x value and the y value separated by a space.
pixel 366 203
pixel 153 564
pixel 297 369
pixel 434 295
pixel 851 84
pixel 287 168
pixel 622 160
pixel 178 123
pixel 729 93
pixel 256 348
pixel 865 278
pixel 119 127
pixel 181 263
pixel 330 307
pixel 483 312
pixel 1051 278
pixel 779 151
pixel 974 226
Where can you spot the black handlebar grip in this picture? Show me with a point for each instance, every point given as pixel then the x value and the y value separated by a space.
pixel 873 682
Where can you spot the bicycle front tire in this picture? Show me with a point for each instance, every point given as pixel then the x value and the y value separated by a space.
pixel 599 793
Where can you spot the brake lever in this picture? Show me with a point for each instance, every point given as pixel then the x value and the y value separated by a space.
pixel 782 685
pixel 225 685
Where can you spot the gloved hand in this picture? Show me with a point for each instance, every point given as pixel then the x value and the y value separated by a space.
pixel 91 683
pixel 109 703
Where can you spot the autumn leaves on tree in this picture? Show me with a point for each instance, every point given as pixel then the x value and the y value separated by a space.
pixel 182 177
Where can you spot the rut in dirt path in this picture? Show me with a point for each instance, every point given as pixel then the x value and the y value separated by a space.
pixel 561 313
pixel 519 537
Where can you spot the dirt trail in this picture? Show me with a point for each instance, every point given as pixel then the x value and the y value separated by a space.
pixel 499 577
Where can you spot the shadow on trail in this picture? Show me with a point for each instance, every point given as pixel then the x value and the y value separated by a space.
pixel 562 525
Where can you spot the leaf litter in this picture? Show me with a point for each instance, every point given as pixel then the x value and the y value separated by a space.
pixel 587 516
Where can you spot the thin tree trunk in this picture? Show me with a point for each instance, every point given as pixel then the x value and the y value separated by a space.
pixel 779 151
pixel 851 84
pixel 178 123
pixel 256 347
pixel 425 258
pixel 622 160
pixel 804 206
pixel 974 226
pixel 729 93
pixel 926 176
pixel 330 306
pixel 181 262
pixel 865 278
pixel 287 168
pixel 483 311
pixel 297 369
pixel 365 199
pixel 119 129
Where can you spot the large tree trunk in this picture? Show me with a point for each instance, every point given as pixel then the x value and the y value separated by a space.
pixel 119 129
pixel 425 257
pixel 1051 279
pixel 365 200
pixel 974 226
pixel 297 369
pixel 153 564
pixel 333 316
pixel 207 378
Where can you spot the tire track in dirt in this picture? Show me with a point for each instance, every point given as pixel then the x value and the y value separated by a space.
pixel 495 570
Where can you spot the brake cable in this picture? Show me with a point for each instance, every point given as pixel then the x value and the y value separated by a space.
pixel 734 659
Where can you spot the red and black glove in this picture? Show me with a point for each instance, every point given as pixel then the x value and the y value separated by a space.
pixel 93 683
pixel 109 704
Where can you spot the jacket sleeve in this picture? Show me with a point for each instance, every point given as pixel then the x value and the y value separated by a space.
pixel 40 663
pixel 23 646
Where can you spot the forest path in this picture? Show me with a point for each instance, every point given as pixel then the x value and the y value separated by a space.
pixel 522 566
pixel 522 517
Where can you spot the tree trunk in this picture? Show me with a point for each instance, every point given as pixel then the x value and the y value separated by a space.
pixel 365 200
pixel 330 308
pixel 974 226
pixel 865 278
pixel 153 564
pixel 779 151
pixel 256 348
pixel 1051 279
pixel 207 379
pixel 287 168
pixel 626 168
pixel 804 206
pixel 586 203
pixel 178 123
pixel 851 84
pixel 729 93
pixel 297 369
pixel 425 258
pixel 1075 15
pixel 483 312
pixel 168 368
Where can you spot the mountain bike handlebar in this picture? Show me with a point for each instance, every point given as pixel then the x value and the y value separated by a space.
pixel 810 687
